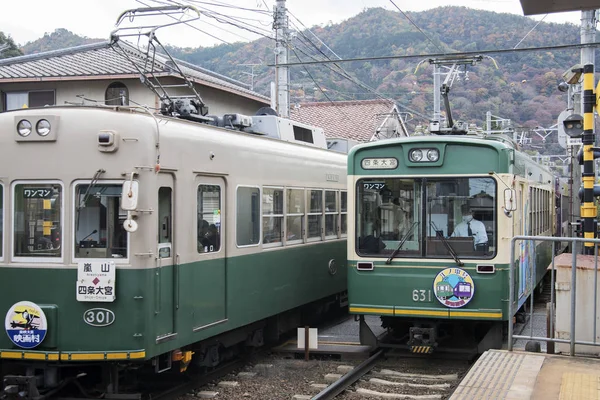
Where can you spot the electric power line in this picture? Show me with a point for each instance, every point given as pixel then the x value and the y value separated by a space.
pixel 416 26
pixel 449 56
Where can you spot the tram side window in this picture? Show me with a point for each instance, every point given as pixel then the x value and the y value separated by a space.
pixel 344 213
pixel 209 218
pixel 272 223
pixel 315 214
pixel 99 231
pixel 37 220
pixel 248 216
pixel 295 215
pixel 331 214
pixel 165 222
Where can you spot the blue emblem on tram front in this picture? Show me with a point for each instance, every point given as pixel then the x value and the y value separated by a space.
pixel 26 324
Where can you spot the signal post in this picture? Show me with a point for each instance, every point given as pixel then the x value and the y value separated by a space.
pixel 588 208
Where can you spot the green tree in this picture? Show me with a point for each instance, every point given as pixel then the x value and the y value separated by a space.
pixel 12 50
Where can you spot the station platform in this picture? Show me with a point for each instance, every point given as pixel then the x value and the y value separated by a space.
pixel 518 375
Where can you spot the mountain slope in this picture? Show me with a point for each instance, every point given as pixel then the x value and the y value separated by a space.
pixel 522 88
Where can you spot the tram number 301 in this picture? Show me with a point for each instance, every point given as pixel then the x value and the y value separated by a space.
pixel 98 317
pixel 422 295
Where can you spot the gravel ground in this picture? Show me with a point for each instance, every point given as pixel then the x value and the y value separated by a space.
pixel 280 378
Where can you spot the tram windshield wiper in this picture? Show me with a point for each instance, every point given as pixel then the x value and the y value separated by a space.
pixel 395 252
pixel 449 248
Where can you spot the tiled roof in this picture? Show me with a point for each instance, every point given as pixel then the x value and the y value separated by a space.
pixel 357 120
pixel 101 59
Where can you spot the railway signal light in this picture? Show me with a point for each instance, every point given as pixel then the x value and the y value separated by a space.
pixel 573 125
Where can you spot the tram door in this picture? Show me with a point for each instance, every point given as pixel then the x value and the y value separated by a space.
pixel 164 283
pixel 209 270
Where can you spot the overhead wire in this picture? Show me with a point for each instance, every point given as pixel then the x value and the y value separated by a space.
pixel 531 30
pixel 463 54
pixel 368 88
pixel 311 32
pixel 319 86
pixel 226 19
pixel 343 73
pixel 416 26
pixel 187 23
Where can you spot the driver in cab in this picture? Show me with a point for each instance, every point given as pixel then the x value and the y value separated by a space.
pixel 470 227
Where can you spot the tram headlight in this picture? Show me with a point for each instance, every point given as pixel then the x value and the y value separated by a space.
pixel 433 155
pixel 415 155
pixel 24 128
pixel 43 127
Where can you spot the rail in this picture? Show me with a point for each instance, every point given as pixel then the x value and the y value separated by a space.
pixel 551 323
pixel 348 379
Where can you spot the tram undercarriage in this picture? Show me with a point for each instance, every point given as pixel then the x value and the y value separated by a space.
pixel 426 336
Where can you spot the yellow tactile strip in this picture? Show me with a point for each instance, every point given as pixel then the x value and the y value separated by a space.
pixel 500 375
pixel 576 386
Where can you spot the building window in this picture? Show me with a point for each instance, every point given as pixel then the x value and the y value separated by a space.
pixel 209 218
pixel 248 216
pixel 37 220
pixel 117 94
pixel 28 99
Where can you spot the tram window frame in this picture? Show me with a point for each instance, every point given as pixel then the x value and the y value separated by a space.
pixel 2 219
pixel 202 215
pixel 301 214
pixel 255 217
pixel 117 260
pixel 335 214
pixel 61 214
pixel 343 214
pixel 315 212
pixel 273 215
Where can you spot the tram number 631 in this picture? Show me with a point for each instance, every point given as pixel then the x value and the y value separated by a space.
pixel 421 295
pixel 98 317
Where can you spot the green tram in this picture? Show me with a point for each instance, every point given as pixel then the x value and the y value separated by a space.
pixel 131 240
pixel 430 227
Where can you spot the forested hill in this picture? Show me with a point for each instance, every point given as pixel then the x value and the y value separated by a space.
pixel 522 88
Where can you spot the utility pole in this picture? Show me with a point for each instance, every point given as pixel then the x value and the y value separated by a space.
pixel 588 207
pixel 437 115
pixel 282 73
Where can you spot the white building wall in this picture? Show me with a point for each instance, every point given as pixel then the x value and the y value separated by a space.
pixel 219 101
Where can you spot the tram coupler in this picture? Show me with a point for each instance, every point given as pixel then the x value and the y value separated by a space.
pixel 422 340
pixel 20 387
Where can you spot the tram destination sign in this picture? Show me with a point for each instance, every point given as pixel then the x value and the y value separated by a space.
pixel 96 281
pixel 379 163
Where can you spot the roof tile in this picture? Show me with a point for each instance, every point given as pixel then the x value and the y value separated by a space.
pixel 356 120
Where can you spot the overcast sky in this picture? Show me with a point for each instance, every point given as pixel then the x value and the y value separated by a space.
pixel 26 21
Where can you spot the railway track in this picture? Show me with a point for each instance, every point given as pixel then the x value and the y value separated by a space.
pixel 422 378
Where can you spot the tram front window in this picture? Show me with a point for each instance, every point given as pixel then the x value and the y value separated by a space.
pixel 37 220
pixel 426 217
pixel 99 231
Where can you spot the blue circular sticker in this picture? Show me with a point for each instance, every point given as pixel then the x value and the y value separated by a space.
pixel 453 287
pixel 26 324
